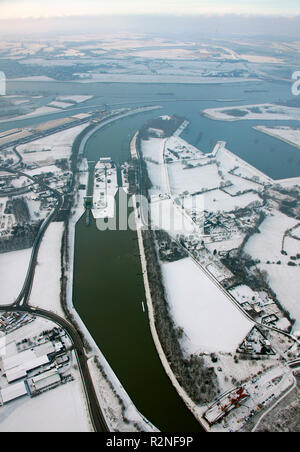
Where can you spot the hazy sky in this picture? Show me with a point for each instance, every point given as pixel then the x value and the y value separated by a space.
pixel 44 8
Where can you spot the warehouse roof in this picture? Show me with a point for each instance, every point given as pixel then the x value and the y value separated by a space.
pixel 13 392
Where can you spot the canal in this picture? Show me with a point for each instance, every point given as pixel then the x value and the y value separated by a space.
pixel 108 295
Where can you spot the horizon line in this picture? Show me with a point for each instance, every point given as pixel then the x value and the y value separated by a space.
pixel 199 14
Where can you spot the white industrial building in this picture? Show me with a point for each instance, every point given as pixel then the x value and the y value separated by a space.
pixel 18 366
pixel 13 392
pixel 46 380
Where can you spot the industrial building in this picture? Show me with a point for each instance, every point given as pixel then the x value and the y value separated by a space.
pixel 44 381
pixel 13 392
pixel 18 366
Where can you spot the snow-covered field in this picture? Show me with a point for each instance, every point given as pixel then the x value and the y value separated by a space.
pixel 193 179
pixel 153 149
pixel 13 269
pixel 210 321
pixel 166 216
pixel 153 154
pixel 292 246
pixel 267 245
pixel 59 410
pixel 217 200
pixel 296 232
pixel 60 145
pixel 45 292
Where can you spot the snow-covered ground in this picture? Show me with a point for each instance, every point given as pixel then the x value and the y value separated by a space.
pixel 210 321
pixel 58 146
pixel 46 288
pixel 296 232
pixel 153 149
pixel 165 215
pixel 193 179
pixel 267 245
pixel 215 201
pixel 59 410
pixel 292 246
pixel 13 269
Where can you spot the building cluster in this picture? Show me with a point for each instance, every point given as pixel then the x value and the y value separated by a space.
pixel 256 344
pixel 262 308
pixel 58 180
pixel 35 365
pixel 220 227
pixel 7 158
